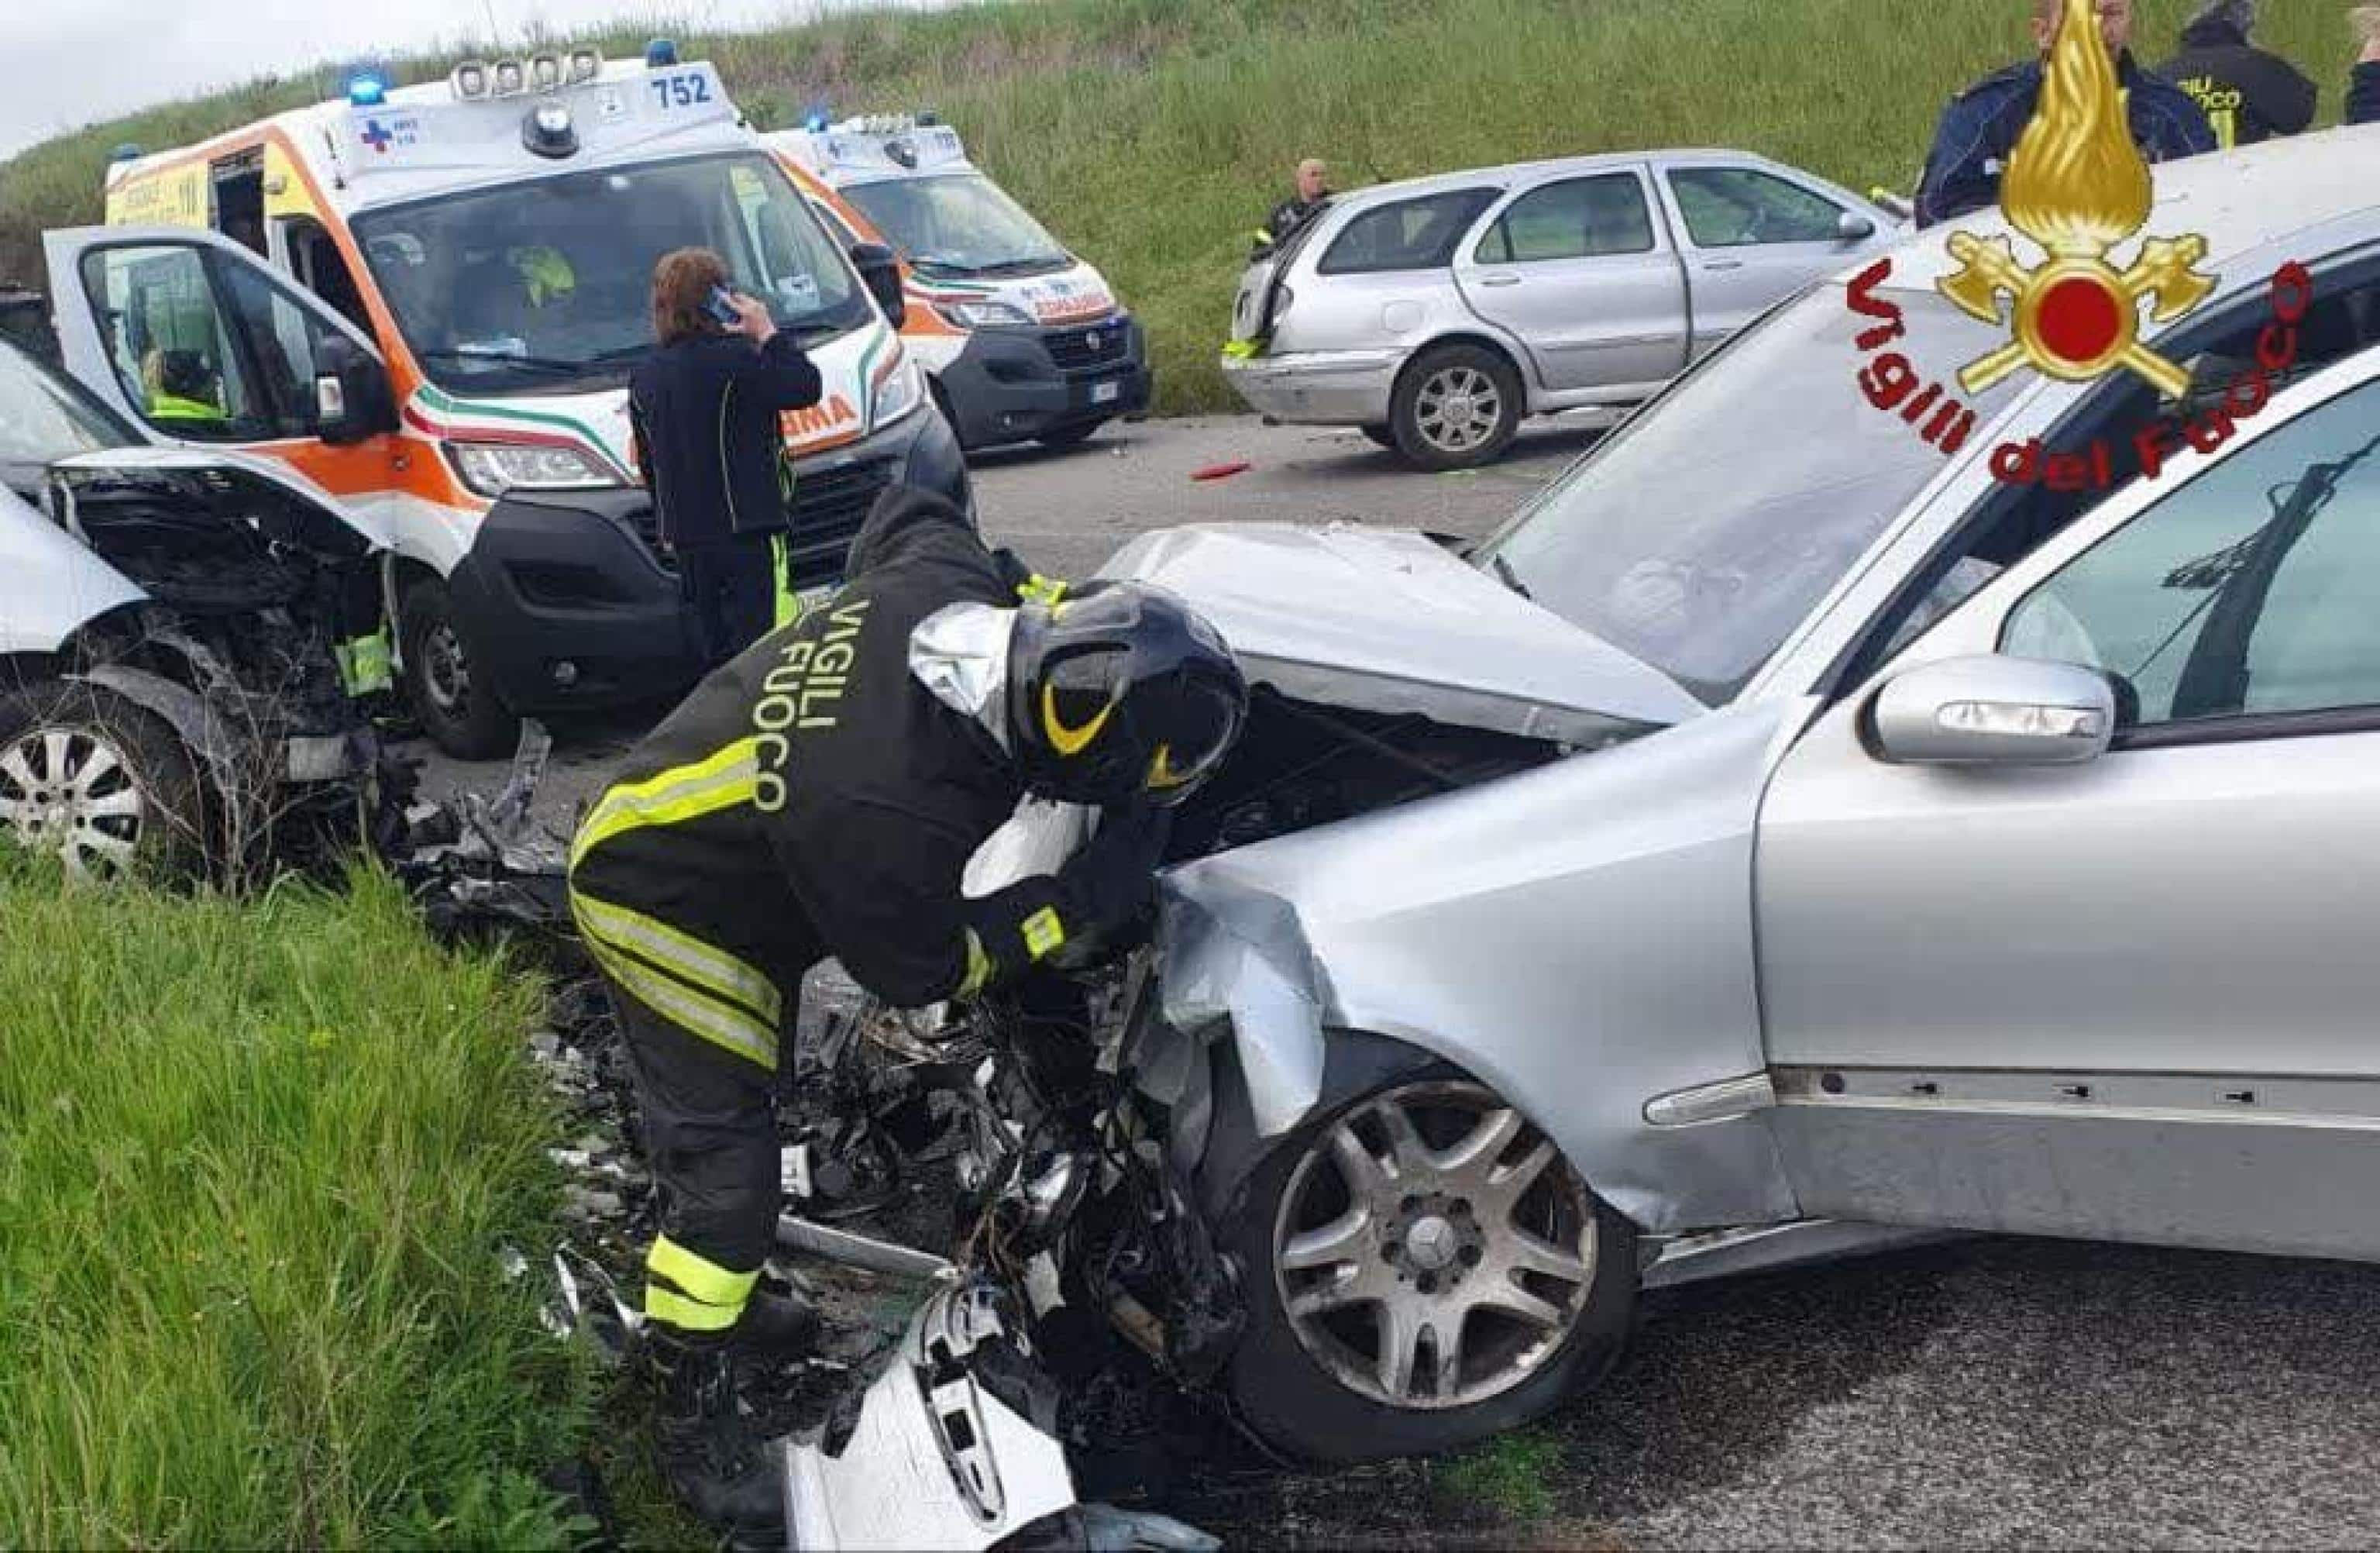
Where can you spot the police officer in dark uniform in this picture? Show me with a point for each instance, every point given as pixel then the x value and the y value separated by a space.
pixel 822 795
pixel 2249 94
pixel 1980 128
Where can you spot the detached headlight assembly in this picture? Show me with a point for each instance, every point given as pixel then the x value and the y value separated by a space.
pixel 984 315
pixel 903 390
pixel 493 468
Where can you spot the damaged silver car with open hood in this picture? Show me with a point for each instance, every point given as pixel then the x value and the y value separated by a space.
pixel 185 637
pixel 1788 834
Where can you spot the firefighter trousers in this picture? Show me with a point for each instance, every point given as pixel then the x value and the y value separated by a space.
pixel 709 1123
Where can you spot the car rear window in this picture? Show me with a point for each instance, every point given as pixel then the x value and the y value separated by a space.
pixel 1420 233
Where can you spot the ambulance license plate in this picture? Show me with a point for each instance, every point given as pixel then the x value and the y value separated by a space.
pixel 1106 393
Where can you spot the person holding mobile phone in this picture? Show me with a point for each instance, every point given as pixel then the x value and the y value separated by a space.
pixel 705 410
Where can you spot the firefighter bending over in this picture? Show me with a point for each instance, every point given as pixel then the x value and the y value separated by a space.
pixel 820 795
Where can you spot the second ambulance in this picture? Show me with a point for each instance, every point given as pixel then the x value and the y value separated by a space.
pixel 428 301
pixel 1025 342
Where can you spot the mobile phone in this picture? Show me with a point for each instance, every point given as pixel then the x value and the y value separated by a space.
pixel 721 308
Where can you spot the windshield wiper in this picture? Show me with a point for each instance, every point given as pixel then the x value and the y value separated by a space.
pixel 554 364
pixel 1512 578
pixel 944 261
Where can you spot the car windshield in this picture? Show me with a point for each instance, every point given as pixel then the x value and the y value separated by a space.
pixel 961 223
pixel 546 286
pixel 44 418
pixel 1704 531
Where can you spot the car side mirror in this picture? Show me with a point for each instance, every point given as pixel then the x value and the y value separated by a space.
pixel 880 268
pixel 1993 710
pixel 1852 227
pixel 352 397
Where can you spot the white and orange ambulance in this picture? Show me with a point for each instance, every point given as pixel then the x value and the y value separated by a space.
pixel 1024 341
pixel 428 299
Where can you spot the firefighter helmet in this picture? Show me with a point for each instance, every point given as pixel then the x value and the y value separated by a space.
pixel 1119 692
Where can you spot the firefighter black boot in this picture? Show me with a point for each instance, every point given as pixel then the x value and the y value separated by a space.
pixel 778 1326
pixel 707 1451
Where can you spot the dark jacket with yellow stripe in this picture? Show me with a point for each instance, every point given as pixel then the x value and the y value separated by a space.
pixel 813 798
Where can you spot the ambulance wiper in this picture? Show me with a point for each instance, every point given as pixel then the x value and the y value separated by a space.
pixel 553 364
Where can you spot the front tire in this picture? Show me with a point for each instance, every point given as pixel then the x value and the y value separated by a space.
pixel 106 786
pixel 1424 1270
pixel 1456 406
pixel 452 695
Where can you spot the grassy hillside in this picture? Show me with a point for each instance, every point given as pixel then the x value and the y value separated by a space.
pixel 252 1206
pixel 1152 134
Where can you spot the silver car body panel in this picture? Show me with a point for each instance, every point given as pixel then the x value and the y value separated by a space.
pixel 1389 621
pixel 1601 330
pixel 2100 913
pixel 51 586
pixel 1578 936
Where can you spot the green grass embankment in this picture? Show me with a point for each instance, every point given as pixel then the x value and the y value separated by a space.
pixel 258 1161
pixel 1153 134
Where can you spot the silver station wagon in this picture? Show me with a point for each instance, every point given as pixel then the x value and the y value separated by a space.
pixel 1435 313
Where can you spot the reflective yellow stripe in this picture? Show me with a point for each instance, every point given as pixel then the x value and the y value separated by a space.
pixel 711 969
pixel 978 971
pixel 687 1316
pixel 718 1023
pixel 781 564
pixel 1044 933
pixel 685 793
pixel 704 1280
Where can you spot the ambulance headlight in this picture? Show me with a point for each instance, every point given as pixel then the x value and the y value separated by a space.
pixel 544 71
pixel 984 315
pixel 903 391
pixel 586 64
pixel 511 79
pixel 469 80
pixel 493 468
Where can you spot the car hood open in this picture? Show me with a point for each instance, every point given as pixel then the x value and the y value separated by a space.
pixel 1389 621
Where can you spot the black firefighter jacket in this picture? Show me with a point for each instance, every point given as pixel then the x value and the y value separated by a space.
pixel 706 416
pixel 813 798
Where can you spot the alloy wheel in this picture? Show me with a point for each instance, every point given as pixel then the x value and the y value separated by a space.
pixel 1433 1248
pixel 69 791
pixel 1458 409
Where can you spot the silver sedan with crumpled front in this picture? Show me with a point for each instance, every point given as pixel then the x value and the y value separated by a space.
pixel 1436 314
pixel 1787 832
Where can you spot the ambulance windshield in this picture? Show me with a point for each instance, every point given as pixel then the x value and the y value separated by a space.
pixel 546 286
pixel 959 224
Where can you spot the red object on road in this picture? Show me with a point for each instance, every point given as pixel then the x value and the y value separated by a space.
pixel 1222 472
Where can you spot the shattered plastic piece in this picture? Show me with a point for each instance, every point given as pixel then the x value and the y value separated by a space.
pixel 1222 472
pixel 1107 1529
pixel 934 1459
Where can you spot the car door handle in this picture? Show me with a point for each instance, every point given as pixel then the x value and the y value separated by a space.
pixel 1500 280
pixel 1724 264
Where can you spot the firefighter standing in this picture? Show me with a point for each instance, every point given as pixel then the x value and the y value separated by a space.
pixel 704 410
pixel 2249 94
pixel 822 794
pixel 1980 128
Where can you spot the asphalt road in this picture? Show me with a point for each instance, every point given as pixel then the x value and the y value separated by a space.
pixel 1982 1394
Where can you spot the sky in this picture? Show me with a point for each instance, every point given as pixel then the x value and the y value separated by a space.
pixel 71 62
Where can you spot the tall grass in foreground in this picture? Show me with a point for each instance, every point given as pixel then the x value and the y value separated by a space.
pixel 1152 135
pixel 257 1160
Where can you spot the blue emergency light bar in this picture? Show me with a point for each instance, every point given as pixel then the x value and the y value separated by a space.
pixel 367 90
pixel 660 53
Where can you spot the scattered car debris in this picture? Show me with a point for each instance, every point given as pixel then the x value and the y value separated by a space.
pixel 1222 472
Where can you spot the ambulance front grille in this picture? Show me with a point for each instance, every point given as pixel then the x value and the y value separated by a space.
pixel 1083 350
pixel 829 507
